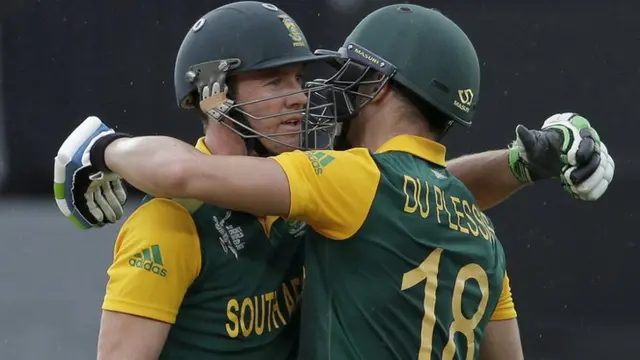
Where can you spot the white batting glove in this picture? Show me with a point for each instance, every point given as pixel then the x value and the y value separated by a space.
pixel 88 197
pixel 566 148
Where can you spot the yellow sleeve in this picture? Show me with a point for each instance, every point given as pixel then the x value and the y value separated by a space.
pixel 331 191
pixel 506 309
pixel 156 258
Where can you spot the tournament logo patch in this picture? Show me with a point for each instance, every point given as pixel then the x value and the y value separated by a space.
pixel 231 237
pixel 296 227
pixel 294 31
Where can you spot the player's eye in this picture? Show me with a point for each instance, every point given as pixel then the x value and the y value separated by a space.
pixel 275 82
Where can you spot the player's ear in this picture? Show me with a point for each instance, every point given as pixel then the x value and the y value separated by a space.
pixel 384 89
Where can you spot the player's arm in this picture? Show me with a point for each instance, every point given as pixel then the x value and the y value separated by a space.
pixel 487 175
pixel 167 167
pixel 124 336
pixel 332 191
pixel 312 186
pixel 501 339
pixel 567 148
pixel 156 258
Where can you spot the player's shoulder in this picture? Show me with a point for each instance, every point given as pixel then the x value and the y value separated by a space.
pixel 160 217
pixel 330 162
pixel 329 155
pixel 355 161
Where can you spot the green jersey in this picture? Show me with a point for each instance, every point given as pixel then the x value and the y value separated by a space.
pixel 401 264
pixel 228 282
pixel 243 305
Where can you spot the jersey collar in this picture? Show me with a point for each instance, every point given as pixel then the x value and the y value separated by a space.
pixel 200 145
pixel 423 148
pixel 265 221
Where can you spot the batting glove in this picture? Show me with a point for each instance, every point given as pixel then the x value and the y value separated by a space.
pixel 86 192
pixel 566 148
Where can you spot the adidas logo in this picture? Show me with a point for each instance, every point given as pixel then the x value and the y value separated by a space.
pixel 149 259
pixel 319 160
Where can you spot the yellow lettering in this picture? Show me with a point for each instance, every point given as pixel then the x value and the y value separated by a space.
pixel 269 298
pixel 409 180
pixel 259 316
pixel 232 310
pixel 459 214
pixel 452 226
pixel 481 225
pixel 276 311
pixel 249 315
pixel 490 230
pixel 439 201
pixel 289 302
pixel 467 211
pixel 427 274
pixel 246 329
pixel 468 217
pixel 424 213
pixel 366 56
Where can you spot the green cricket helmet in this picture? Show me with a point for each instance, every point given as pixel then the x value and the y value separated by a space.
pixel 418 48
pixel 249 36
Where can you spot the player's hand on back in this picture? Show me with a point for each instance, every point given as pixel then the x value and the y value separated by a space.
pixel 85 193
pixel 565 148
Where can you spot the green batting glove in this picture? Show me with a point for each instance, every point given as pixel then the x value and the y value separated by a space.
pixel 565 141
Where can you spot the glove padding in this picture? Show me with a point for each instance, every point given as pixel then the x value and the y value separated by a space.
pixel 566 148
pixel 594 186
pixel 89 196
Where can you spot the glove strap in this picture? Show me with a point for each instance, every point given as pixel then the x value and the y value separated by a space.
pixel 96 154
pixel 517 165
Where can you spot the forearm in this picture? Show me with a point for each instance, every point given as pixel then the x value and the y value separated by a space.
pixel 153 164
pixel 487 175
pixel 501 341
pixel 129 337
pixel 167 167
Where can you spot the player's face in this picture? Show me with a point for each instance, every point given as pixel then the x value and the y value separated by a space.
pixel 366 108
pixel 266 84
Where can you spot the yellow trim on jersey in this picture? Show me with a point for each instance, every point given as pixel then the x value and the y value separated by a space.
pixel 506 309
pixel 423 148
pixel 156 258
pixel 332 191
pixel 265 221
pixel 202 146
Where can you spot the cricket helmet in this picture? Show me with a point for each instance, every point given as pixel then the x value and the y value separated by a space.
pixel 248 36
pixel 420 49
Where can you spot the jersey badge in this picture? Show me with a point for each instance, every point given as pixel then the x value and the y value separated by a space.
pixel 231 237
pixel 296 227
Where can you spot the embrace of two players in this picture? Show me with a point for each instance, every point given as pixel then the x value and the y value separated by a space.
pixel 317 220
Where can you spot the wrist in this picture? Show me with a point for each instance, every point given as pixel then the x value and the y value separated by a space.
pixel 97 152
pixel 518 165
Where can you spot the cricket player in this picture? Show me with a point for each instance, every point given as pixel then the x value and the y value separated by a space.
pixel 195 281
pixel 389 207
